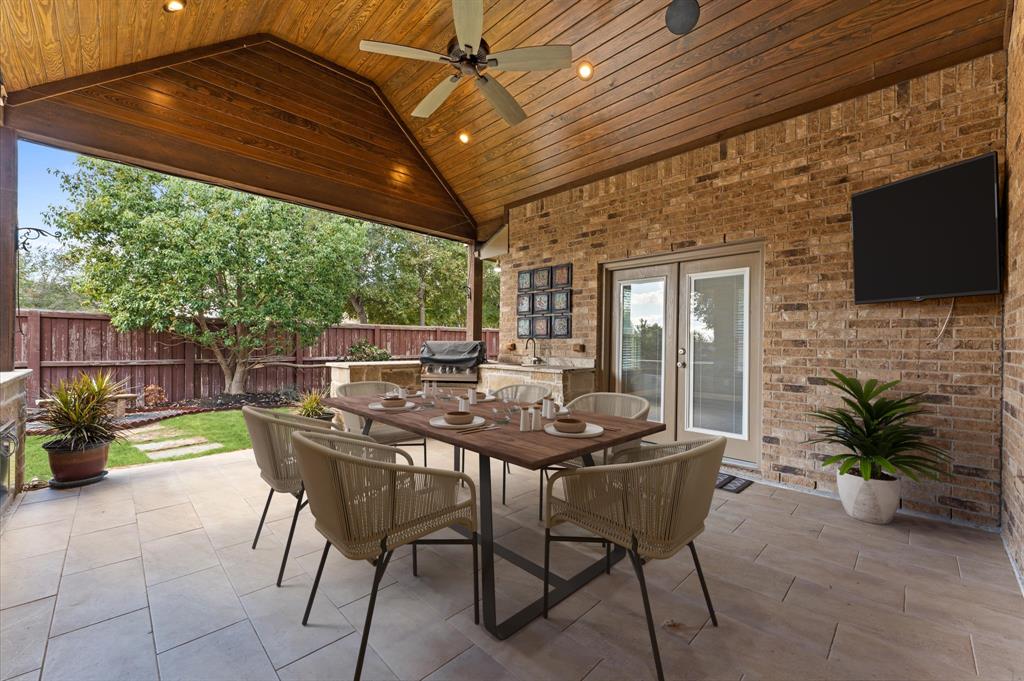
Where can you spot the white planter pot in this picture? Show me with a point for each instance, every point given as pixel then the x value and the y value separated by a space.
pixel 872 501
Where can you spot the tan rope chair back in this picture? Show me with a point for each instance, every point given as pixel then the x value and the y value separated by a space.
pixel 658 495
pixel 614 404
pixel 523 393
pixel 353 423
pixel 270 433
pixel 361 493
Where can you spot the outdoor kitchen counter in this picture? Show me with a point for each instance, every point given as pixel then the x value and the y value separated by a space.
pixel 565 382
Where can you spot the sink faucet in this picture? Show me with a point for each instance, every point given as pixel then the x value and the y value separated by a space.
pixel 535 359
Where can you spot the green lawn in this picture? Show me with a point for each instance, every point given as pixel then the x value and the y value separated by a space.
pixel 225 427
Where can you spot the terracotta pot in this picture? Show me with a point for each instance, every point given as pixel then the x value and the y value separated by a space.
pixel 872 501
pixel 69 465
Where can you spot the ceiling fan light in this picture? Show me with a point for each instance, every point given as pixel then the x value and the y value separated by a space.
pixel 174 5
pixel 464 137
pixel 585 70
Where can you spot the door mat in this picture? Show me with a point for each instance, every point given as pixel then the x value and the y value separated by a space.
pixel 730 483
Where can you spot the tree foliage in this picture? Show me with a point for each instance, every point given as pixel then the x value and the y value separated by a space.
pixel 243 275
pixel 46 280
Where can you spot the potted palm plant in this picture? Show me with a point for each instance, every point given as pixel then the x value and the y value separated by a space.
pixel 311 405
pixel 80 411
pixel 881 444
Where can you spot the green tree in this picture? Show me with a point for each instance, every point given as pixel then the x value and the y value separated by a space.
pixel 46 280
pixel 239 274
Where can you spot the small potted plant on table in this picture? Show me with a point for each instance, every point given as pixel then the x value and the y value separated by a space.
pixel 311 405
pixel 881 444
pixel 80 411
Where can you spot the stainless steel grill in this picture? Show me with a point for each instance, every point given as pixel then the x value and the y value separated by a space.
pixel 451 362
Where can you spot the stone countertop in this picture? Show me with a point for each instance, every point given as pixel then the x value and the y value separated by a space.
pixel 538 368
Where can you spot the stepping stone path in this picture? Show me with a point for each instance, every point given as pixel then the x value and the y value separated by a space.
pixel 159 442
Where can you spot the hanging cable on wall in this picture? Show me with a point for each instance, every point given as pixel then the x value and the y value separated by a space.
pixel 945 324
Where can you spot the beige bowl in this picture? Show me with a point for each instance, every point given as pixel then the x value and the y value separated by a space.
pixel 570 425
pixel 458 418
pixel 392 402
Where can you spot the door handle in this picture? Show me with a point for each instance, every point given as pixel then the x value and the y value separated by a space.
pixel 681 365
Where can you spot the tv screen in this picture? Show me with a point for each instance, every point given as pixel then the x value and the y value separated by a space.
pixel 931 236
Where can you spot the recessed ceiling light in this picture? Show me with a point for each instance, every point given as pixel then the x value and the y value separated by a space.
pixel 174 5
pixel 464 137
pixel 584 70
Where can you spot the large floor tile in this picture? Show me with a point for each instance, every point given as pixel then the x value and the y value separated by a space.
pixel 188 607
pixel 471 665
pixel 23 633
pixel 34 541
pixel 28 515
pixel 99 594
pixel 177 555
pixel 343 580
pixel 29 579
pixel 103 515
pixel 276 614
pixel 252 569
pixel 337 661
pixel 230 654
pixel 889 660
pixel 97 549
pixel 120 649
pixel 163 522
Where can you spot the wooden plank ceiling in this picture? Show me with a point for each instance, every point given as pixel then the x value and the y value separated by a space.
pixel 748 62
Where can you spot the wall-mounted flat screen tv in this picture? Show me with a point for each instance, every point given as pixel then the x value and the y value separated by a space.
pixel 935 235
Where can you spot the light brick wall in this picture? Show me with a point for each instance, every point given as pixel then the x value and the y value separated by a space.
pixel 1013 406
pixel 790 184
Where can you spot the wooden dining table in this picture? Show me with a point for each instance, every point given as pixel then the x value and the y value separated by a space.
pixel 532 450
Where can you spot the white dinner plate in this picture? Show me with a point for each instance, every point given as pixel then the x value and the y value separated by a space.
pixel 377 406
pixel 592 430
pixel 439 422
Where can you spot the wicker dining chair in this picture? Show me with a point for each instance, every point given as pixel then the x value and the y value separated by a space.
pixel 521 394
pixel 368 499
pixel 652 501
pixel 270 433
pixel 380 432
pixel 612 404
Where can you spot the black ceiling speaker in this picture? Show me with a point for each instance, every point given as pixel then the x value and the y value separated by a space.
pixel 682 15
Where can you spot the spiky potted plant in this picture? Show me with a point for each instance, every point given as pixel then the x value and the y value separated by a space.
pixel 880 444
pixel 80 411
pixel 311 405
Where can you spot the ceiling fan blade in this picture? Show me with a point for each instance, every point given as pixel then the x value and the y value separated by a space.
pixel 469 23
pixel 400 51
pixel 540 58
pixel 436 97
pixel 504 103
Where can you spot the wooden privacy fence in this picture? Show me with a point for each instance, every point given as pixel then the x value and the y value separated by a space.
pixel 57 344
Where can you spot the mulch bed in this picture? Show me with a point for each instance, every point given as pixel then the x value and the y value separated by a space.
pixel 144 416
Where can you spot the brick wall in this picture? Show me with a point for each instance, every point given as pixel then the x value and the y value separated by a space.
pixel 790 184
pixel 1013 405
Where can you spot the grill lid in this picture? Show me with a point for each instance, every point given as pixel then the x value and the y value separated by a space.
pixel 458 354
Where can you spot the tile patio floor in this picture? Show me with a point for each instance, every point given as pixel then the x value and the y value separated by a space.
pixel 150 575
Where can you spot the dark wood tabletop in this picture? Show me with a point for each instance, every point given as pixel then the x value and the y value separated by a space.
pixel 532 450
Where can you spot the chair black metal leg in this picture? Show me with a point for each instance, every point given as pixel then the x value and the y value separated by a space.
pixel 607 558
pixel 540 506
pixel 504 483
pixel 378 575
pixel 316 583
pixel 424 453
pixel 291 533
pixel 263 518
pixel 415 565
pixel 639 569
pixel 547 567
pixel 703 584
pixel 476 581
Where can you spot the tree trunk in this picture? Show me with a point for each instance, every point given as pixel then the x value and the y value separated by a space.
pixel 357 305
pixel 237 384
pixel 422 295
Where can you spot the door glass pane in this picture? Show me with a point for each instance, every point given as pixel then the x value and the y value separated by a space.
pixel 718 352
pixel 642 341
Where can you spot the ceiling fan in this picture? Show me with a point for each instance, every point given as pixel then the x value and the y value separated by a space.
pixel 470 56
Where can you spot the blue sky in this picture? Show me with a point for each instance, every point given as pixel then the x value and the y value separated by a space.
pixel 37 188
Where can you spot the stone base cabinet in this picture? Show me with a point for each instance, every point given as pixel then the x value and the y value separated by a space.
pixel 404 372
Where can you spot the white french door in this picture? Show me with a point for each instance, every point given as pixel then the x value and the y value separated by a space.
pixel 686 335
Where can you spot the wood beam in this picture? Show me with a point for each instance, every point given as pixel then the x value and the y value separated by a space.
pixel 8 244
pixel 475 302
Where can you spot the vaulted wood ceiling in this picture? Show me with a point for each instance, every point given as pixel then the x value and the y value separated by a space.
pixel 653 93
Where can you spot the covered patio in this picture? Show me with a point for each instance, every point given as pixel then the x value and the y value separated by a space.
pixel 662 170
